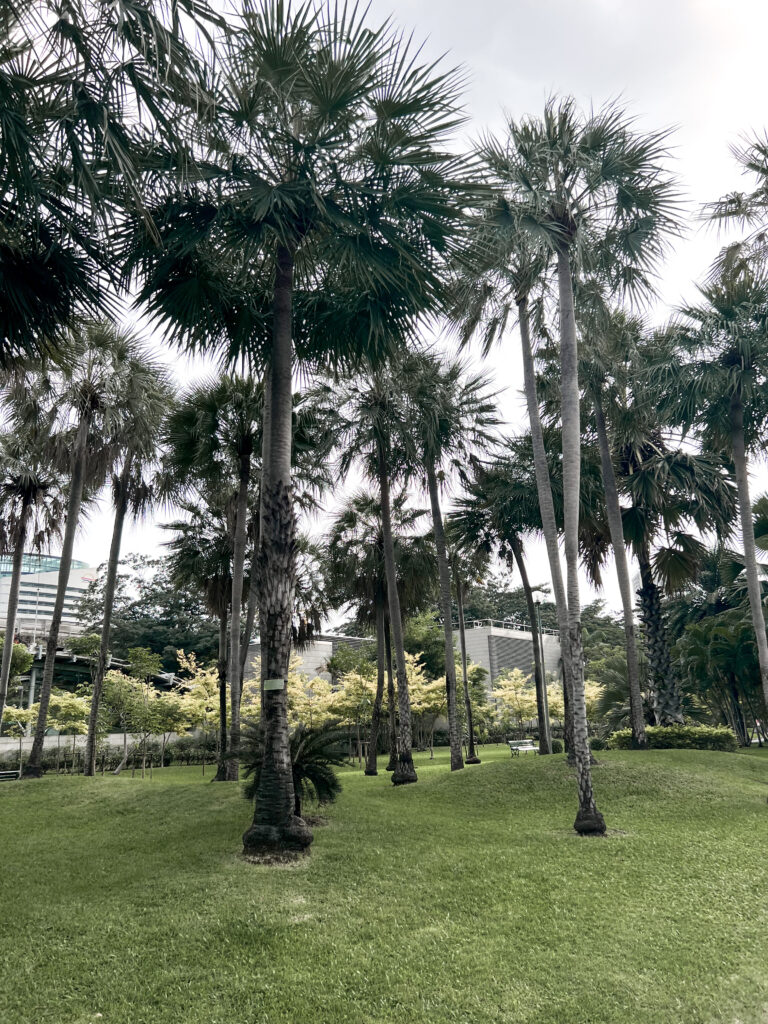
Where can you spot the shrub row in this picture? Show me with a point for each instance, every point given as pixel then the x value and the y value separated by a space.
pixel 692 737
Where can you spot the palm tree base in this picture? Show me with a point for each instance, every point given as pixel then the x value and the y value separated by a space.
pixel 32 771
pixel 371 771
pixel 270 841
pixel 404 773
pixel 472 760
pixel 392 765
pixel 590 823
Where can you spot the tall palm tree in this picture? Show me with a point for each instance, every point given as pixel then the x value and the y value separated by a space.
pixel 214 436
pixel 86 383
pixel 373 410
pixel 465 568
pixel 452 416
pixel 32 510
pixel 583 184
pixel 319 235
pixel 717 387
pixel 146 400
pixel 356 573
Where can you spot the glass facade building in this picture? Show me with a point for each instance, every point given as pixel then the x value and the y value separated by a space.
pixel 36 563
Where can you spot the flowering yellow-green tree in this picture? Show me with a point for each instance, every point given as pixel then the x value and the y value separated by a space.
pixel 198 708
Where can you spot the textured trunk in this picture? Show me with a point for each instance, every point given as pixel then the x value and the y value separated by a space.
pixel 444 577
pixel 373 739
pixel 665 692
pixel 545 741
pixel 19 542
pixel 472 757
pixel 391 698
pixel 748 538
pixel 589 821
pixel 121 508
pixel 276 827
pixel 221 668
pixel 250 619
pixel 613 511
pixel 236 609
pixel 548 519
pixel 404 771
pixel 74 501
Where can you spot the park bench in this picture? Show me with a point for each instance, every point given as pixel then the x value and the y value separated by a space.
pixel 526 746
pixel 8 776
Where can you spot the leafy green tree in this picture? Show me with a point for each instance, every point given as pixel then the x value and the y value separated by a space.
pixel 151 610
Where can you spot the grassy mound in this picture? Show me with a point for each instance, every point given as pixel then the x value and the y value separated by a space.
pixel 465 898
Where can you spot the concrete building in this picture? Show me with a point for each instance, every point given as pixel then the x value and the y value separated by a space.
pixel 312 657
pixel 37 591
pixel 500 645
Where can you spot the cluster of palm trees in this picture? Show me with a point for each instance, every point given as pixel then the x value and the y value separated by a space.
pixel 283 191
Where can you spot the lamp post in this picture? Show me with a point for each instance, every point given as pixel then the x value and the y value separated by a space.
pixel 544 728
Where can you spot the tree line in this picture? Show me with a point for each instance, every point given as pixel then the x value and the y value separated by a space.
pixel 285 191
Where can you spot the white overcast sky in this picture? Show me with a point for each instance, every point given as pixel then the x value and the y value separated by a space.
pixel 698 66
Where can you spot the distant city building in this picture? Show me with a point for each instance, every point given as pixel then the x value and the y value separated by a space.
pixel 37 592
pixel 312 657
pixel 499 645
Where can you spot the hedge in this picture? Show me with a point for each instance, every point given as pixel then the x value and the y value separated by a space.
pixel 692 737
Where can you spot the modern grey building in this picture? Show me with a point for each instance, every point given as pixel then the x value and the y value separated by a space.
pixel 313 656
pixel 499 645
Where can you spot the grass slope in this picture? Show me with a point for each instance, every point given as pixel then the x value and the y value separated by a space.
pixel 465 898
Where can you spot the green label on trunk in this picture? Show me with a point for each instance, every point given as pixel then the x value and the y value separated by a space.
pixel 274 684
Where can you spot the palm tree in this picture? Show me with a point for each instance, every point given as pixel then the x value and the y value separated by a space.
pixel 452 415
pixel 584 185
pixel 465 568
pixel 315 753
pixel 356 573
pixel 88 381
pixel 32 512
pixel 214 438
pixel 492 518
pixel 145 401
pixel 373 409
pixel 320 234
pixel 717 387
pixel 80 85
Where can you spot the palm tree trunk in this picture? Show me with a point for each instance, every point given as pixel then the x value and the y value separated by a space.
pixel 236 609
pixel 276 828
pixel 221 666
pixel 19 542
pixel 472 757
pixel 250 619
pixel 446 608
pixel 665 692
pixel 74 501
pixel 542 712
pixel 404 771
pixel 589 821
pixel 548 519
pixel 613 512
pixel 110 586
pixel 391 705
pixel 373 739
pixel 739 447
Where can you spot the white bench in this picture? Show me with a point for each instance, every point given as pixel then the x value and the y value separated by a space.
pixel 524 746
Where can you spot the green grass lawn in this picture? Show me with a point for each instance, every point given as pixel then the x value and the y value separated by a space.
pixel 465 898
